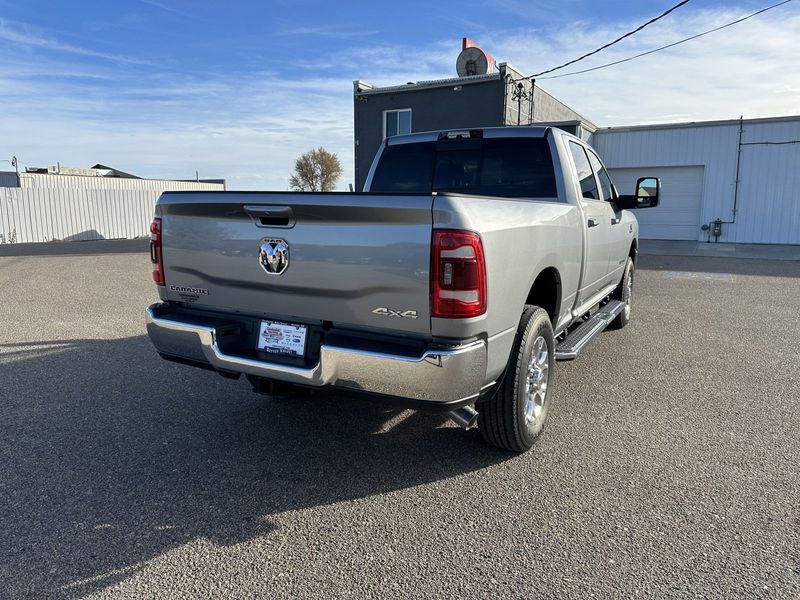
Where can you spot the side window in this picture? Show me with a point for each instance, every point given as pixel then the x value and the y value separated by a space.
pixel 405 168
pixel 602 175
pixel 585 175
pixel 396 122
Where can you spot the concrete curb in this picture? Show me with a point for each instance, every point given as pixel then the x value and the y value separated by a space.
pixel 684 248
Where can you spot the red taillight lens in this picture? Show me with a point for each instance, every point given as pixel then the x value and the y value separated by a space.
pixel 155 252
pixel 458 275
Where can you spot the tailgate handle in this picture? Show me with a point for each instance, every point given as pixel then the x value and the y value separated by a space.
pixel 271 216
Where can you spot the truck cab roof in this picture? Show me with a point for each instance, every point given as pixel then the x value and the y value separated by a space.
pixel 534 131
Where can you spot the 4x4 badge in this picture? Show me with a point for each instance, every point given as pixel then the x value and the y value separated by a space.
pixel 389 312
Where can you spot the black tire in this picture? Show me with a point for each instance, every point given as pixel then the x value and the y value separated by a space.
pixel 624 293
pixel 506 420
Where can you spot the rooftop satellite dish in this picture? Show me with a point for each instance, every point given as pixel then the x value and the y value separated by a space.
pixel 473 61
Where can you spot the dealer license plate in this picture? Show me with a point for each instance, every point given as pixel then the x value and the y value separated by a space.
pixel 282 338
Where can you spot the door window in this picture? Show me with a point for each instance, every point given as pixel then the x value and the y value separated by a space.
pixel 584 170
pixel 605 181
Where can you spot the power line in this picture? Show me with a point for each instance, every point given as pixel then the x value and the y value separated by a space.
pixel 693 37
pixel 770 143
pixel 620 38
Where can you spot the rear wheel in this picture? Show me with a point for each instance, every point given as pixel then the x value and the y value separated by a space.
pixel 515 416
pixel 624 293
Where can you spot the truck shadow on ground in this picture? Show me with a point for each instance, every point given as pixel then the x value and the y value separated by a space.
pixel 112 457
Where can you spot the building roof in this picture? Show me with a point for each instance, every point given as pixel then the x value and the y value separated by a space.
pixel 112 172
pixel 687 124
pixel 97 170
pixel 362 88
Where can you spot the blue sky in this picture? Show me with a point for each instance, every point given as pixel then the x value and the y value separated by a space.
pixel 162 88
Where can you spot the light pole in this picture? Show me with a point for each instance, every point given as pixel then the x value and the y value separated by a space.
pixel 14 164
pixel 519 93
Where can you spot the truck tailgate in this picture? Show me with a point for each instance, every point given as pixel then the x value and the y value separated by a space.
pixel 357 260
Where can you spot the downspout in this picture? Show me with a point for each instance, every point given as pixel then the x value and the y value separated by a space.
pixel 506 87
pixel 738 164
pixel 356 134
pixel 715 227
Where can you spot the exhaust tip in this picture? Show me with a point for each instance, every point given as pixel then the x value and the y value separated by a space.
pixel 465 417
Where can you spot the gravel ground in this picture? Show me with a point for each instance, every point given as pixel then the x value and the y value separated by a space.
pixel 669 467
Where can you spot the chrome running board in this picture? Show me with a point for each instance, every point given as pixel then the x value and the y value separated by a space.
pixel 579 338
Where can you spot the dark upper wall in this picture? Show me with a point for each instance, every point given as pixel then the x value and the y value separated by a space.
pixel 475 104
pixel 479 101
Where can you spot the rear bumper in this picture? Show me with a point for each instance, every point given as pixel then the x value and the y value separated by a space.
pixel 445 376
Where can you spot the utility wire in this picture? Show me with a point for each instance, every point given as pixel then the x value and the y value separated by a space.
pixel 694 37
pixel 619 39
pixel 770 143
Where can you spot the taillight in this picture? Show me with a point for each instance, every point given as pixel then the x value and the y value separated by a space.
pixel 458 275
pixel 155 252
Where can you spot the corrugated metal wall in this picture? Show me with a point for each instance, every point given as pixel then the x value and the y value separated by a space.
pixel 769 185
pixel 73 207
pixel 44 215
pixel 47 180
pixel 768 209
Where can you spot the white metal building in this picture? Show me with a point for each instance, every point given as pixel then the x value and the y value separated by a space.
pixel 101 177
pixel 744 173
pixel 52 204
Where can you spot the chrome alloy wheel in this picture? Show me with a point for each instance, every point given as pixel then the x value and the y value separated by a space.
pixel 628 293
pixel 536 382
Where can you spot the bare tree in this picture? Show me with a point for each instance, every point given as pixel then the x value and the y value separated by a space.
pixel 316 171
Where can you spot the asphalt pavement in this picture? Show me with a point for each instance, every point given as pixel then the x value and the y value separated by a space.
pixel 669 467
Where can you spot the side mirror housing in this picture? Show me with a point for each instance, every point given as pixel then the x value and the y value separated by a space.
pixel 648 190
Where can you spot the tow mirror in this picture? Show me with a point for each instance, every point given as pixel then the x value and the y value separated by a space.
pixel 647 192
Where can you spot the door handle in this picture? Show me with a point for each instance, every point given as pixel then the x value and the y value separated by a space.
pixel 270 216
pixel 593 222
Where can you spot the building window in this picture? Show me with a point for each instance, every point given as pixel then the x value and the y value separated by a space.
pixel 396 122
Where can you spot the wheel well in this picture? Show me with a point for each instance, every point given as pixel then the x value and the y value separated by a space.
pixel 546 292
pixel 633 251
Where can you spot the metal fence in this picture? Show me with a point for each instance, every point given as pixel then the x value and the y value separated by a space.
pixel 45 215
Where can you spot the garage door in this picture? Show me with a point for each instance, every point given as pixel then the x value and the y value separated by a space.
pixel 677 217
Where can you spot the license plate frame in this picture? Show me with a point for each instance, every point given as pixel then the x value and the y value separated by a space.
pixel 281 338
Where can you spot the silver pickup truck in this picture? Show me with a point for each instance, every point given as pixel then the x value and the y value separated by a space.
pixel 470 264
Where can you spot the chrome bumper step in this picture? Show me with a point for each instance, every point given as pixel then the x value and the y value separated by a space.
pixel 580 337
pixel 436 375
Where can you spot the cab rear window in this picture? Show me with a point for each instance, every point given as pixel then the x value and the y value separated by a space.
pixel 505 167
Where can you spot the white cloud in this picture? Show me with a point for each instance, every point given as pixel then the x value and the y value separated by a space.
pixel 164 7
pixel 24 35
pixel 61 105
pixel 171 126
pixel 331 31
pixel 723 75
